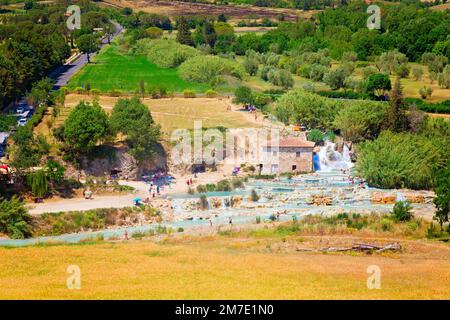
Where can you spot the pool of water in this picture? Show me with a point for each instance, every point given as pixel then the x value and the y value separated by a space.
pixel 288 197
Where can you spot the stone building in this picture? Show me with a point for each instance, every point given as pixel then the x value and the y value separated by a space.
pixel 290 154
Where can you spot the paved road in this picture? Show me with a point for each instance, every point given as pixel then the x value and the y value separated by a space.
pixel 63 74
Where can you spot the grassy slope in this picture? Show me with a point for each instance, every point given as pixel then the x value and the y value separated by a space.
pixel 112 70
pixel 214 267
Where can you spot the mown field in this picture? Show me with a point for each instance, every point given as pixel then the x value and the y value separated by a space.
pixel 217 267
pixel 113 70
pixel 170 113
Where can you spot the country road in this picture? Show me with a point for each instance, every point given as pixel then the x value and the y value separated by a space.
pixel 63 74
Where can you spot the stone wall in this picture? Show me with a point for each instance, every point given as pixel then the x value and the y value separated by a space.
pixel 286 158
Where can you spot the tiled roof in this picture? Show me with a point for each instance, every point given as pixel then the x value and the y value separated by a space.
pixel 291 142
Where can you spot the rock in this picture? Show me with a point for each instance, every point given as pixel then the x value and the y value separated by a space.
pixel 385 198
pixel 320 200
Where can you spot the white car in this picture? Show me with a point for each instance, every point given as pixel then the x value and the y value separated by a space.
pixel 22 122
pixel 20 110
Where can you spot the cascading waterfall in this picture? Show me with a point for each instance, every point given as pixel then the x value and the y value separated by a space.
pixel 330 159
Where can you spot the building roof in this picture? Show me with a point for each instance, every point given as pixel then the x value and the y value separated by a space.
pixel 291 142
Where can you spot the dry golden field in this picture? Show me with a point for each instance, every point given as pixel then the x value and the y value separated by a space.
pixel 170 113
pixel 219 267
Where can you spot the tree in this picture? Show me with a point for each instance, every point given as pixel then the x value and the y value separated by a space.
pixel 390 61
pixel 86 125
pixel 142 88
pixel 38 182
pixel 243 95
pixel 251 65
pixel 402 70
pixel 154 32
pixel 444 78
pixel 209 34
pixel 335 78
pixel 397 120
pixel 88 43
pixel 417 73
pixel 40 92
pixel 442 199
pixel 402 211
pixel 14 218
pixel 184 35
pixel 109 30
pixel 222 18
pixel 378 84
pixel 315 136
pixel 425 92
pixel 317 72
pixel 133 119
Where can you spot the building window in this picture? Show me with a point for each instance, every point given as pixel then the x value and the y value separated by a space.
pixel 294 167
pixel 274 153
pixel 297 154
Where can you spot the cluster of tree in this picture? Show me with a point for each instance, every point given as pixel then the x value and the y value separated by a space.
pixel 35 42
pixel 88 126
pixel 209 69
pixel 31 44
pixel 406 28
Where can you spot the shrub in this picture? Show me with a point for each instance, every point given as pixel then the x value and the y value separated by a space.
pixel 14 218
pixel 189 93
pixel 401 211
pixel 203 202
pixel 425 92
pixel 206 68
pixel 223 185
pixel 317 72
pixel 254 196
pixel 417 73
pixel 315 136
pixel 211 93
pixel 243 95
pixel 335 78
pixel 154 32
pixel 258 220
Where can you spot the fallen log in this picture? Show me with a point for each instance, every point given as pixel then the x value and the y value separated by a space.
pixel 356 247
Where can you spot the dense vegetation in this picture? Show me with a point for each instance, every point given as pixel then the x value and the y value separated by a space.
pixel 36 41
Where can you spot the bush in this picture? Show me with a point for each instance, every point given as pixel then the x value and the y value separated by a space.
pixel 207 68
pixel 402 211
pixel 189 93
pixel 170 54
pixel 254 196
pixel 14 218
pixel 154 32
pixel 425 92
pixel 243 95
pixel 315 136
pixel 440 107
pixel 211 93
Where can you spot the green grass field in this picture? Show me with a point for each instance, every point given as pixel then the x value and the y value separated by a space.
pixel 113 70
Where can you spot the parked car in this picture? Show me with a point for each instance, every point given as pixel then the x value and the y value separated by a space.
pixel 20 110
pixel 22 122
